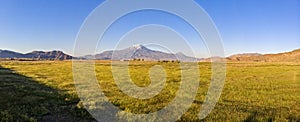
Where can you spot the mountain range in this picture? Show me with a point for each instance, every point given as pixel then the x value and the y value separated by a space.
pixel 142 52
pixel 293 56
pixel 37 55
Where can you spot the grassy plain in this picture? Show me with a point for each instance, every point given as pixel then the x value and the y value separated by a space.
pixel 45 91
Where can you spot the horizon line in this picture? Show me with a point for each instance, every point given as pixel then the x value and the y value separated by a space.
pixel 71 54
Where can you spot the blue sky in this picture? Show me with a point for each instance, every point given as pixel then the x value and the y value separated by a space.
pixel 263 26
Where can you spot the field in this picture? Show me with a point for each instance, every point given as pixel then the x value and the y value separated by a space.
pixel 45 91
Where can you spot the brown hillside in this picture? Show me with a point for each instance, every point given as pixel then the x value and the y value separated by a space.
pixel 284 57
pixel 293 56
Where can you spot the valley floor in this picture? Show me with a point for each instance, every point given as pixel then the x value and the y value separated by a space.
pixel 45 91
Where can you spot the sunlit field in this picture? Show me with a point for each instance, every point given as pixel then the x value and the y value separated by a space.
pixel 45 91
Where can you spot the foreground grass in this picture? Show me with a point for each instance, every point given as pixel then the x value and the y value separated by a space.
pixel 45 91
pixel 28 93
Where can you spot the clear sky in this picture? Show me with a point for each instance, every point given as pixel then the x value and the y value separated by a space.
pixel 263 26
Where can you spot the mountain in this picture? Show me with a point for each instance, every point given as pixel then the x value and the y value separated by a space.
pixel 52 55
pixel 10 54
pixel 141 52
pixel 246 57
pixel 283 57
pixel 292 56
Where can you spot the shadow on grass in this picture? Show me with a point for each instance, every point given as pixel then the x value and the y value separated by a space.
pixel 24 99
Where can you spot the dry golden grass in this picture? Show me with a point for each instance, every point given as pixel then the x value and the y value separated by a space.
pixel 44 90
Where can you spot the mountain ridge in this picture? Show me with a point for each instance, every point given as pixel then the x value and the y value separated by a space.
pixel 36 55
pixel 142 52
pixel 290 56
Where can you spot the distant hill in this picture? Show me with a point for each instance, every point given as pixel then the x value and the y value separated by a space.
pixel 246 57
pixel 50 55
pixel 255 57
pixel 284 57
pixel 55 55
pixel 141 52
pixel 10 54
